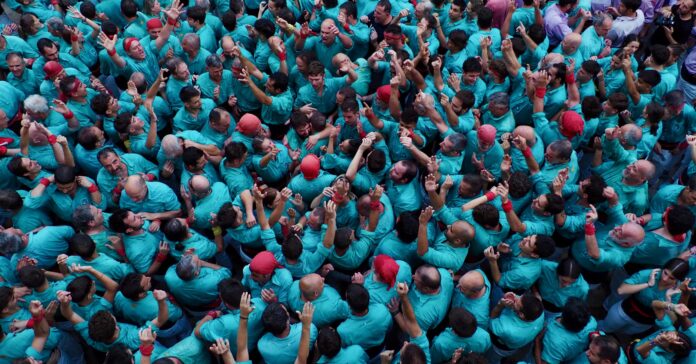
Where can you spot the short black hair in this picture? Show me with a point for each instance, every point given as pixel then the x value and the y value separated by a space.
pixel 680 220
pixel 102 326
pixel 532 308
pixel 80 287
pixel 545 246
pixel 275 318
pixel 328 342
pixel 32 276
pixel 196 13
pixel 575 315
pixel 407 227
pixel 462 322
pixel 82 245
pixel 358 297
pixel 131 287
pixel 231 291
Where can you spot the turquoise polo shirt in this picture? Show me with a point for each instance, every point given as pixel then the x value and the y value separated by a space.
pixel 326 101
pixel 550 287
pixel 379 291
pixel 27 82
pixel 184 120
pixel 448 341
pixel 369 330
pixel 278 112
pixel 325 52
pixel 431 309
pixel 633 198
pixel 201 290
pixel 17 45
pixel 347 355
pixel 226 326
pixel 473 46
pixel 337 163
pixel 202 246
pixel 160 198
pixel 97 304
pixel 208 86
pixel 676 127
pixel 284 350
pixel 128 335
pixel 329 307
pixel 104 264
pixel 550 132
pixel 611 255
pixel 514 332
pixel 277 168
pixel 312 238
pixel 404 197
pixel 422 342
pixel 172 90
pixel 236 179
pixel 310 189
pixel 144 309
pixel 28 219
pixel 398 249
pixel 49 294
pixel 141 249
pixel 649 294
pixel 188 350
pixel 656 250
pixel 479 307
pixel 44 155
pixel 135 164
pixel 245 98
pixel 561 345
pixel 518 272
pixel 356 253
pixel 17 345
pixel 45 245
pixel 218 138
pixel 491 158
pixel 63 204
pixel 665 197
pixel 503 124
pixel 280 283
pixel 390 130
pixel 211 204
pixel 453 62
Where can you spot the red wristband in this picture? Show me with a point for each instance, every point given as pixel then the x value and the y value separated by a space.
pixel 411 134
pixel 118 190
pixel 150 177
pixel 283 56
pixel 55 2
pixel 45 182
pixel 490 196
pixel 590 229
pixel 74 38
pixel 111 52
pixel 93 188
pixel 214 314
pixel 69 115
pixel 30 323
pixel 35 320
pixel 375 205
pixel 507 206
pixel 570 78
pixel 121 252
pixel 3 150
pixel 189 220
pixel 146 350
pixel 171 21
pixel 527 152
pixel 540 92
pixel 161 257
pixel 346 27
pixel 52 139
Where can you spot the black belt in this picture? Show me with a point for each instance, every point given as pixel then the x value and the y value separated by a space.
pixel 638 311
pixel 496 341
pixel 687 76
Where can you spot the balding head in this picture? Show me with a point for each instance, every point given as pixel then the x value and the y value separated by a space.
pixel 527 132
pixel 37 137
pixel 311 286
pixel 199 184
pixel 472 284
pixel 136 188
pixel 171 146
pixel 327 35
pixel 628 235
pixel 138 79
pixel 631 135
pixel 460 233
pixel 571 42
pixel 427 279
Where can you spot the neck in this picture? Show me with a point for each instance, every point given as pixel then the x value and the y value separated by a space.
pixel 94 230
pixel 32 176
pixel 285 333
pixel 42 287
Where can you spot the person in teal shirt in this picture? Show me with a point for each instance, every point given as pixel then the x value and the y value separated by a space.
pixel 484 150
pixel 140 245
pixel 180 77
pixel 193 282
pixel 463 332
pixel 332 350
pixel 566 337
pixel 328 305
pixel 182 239
pixel 430 301
pixel 276 346
pixel 86 254
pixel 263 276
pixel 195 112
pixel 401 243
pixel 225 326
pixel 312 180
pixel 667 241
pixel 521 261
pixel 368 322
pixel 332 42
pixel 472 292
pixel 43 245
pixel 197 20
pixel 272 160
pixel 206 200
pixel 558 283
pixel 233 168
pixel 154 198
pixel 321 92
pixel 515 322
pixel 117 167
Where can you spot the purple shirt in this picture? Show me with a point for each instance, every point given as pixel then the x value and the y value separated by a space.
pixel 556 23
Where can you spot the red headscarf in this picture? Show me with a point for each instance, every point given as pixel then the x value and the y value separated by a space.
pixel 264 263
pixel 387 268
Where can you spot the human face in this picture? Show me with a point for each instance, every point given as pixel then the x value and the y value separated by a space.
pixel 267 146
pixel 16 66
pixel 592 354
pixel 327 36
pixel 195 103
pixel 67 188
pixel 261 279
pixel 182 71
pixel 393 40
pixel 20 233
pixel 350 117
pixel 686 7
pixel 80 90
pixel 603 28
pixel 137 51
pixel 470 77
pixel 539 204
pixel 446 146
pixel 528 244
pixel 4 120
pixel 200 164
pixel 31 165
pixel 466 190
pixel 565 281
pixel 154 33
pixel 398 171
pixel 483 146
pixel 498 110
pixel 112 163
pixel 146 283
pixel 343 146
pixel 301 65
pixel 224 123
pixel 97 214
pixel 667 278
pixel 317 81
pixel 137 124
pixel 134 221
pixel 583 76
pixel 455 12
pixel 381 15
pixel 51 53
pixel 456 105
pixel 304 130
pixel 632 47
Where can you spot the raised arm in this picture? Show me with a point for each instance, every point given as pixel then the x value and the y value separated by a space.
pixel 245 309
pixel 162 308
pixel 172 13
pixel 590 238
pixel 306 318
pixel 407 320
pixel 354 166
pixel 425 216
pixel 65 309
pixel 516 225
pixel 630 82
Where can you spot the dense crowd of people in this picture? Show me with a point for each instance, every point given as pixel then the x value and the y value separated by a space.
pixel 325 181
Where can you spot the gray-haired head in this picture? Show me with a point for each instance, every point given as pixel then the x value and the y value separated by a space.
pixel 203 3
pixel 82 216
pixel 458 141
pixel 171 146
pixel 213 61
pixel 192 39
pixel 55 24
pixel 36 104
pixel 187 268
pixel 499 98
pixel 599 18
pixel 10 243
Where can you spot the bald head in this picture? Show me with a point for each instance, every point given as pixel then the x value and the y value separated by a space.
pixel 138 78
pixel 199 183
pixel 171 146
pixel 311 286
pixel 460 233
pixel 36 135
pixel 571 42
pixel 427 279
pixel 472 283
pixel 631 135
pixel 135 187
pixel 527 132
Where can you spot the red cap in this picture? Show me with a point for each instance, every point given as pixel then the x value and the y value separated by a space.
pixel 387 268
pixel 52 69
pixel 248 124
pixel 310 166
pixel 154 23
pixel 486 133
pixel 572 124
pixel 264 263
pixel 384 93
pixel 128 43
